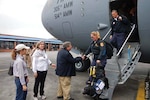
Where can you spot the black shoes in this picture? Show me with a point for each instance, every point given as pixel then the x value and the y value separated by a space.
pixel 71 99
pixel 59 97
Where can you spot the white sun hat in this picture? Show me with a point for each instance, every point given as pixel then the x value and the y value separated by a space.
pixel 21 46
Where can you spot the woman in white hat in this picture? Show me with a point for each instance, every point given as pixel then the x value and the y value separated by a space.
pixel 20 71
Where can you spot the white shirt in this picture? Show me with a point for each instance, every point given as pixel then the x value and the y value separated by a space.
pixel 40 61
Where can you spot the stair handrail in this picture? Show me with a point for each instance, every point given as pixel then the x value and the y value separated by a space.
pixel 117 56
pixel 133 27
pixel 107 34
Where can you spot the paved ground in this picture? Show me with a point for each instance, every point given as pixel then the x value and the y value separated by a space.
pixel 127 91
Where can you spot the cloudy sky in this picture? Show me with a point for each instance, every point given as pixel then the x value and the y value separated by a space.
pixel 22 17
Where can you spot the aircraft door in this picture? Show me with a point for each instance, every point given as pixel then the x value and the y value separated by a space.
pixel 67 30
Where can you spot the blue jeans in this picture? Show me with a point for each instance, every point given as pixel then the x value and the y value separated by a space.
pixel 20 94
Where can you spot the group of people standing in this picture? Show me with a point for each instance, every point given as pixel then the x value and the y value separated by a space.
pixel 65 62
pixel 40 64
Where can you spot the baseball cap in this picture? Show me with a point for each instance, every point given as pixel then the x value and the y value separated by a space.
pixel 21 46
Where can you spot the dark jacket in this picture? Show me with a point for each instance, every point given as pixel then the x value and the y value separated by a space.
pixel 119 26
pixel 66 63
pixel 98 50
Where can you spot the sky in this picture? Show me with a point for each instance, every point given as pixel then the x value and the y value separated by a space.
pixel 23 18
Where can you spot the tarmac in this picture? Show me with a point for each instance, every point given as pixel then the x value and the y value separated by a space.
pixel 127 91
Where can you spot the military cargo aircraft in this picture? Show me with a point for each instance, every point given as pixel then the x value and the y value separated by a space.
pixel 74 20
pixel 70 20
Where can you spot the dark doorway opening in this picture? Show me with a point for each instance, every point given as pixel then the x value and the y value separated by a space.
pixel 127 8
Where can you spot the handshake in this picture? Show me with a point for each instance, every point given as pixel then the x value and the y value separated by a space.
pixel 84 57
pixel 79 58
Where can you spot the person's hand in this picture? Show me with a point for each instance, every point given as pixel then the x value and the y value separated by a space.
pixel 24 87
pixel 120 18
pixel 35 75
pixel 83 57
pixel 98 61
pixel 110 37
pixel 53 65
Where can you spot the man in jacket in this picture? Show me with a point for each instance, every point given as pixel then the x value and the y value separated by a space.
pixel 119 28
pixel 65 70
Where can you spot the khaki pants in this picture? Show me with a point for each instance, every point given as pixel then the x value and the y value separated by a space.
pixel 64 87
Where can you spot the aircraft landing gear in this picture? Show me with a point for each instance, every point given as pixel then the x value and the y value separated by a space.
pixel 83 65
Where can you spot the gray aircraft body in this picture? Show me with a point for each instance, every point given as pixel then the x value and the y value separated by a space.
pixel 74 20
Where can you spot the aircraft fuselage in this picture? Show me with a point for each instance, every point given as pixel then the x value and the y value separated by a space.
pixel 73 20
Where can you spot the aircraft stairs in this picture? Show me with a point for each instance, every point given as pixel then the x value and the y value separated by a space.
pixel 119 69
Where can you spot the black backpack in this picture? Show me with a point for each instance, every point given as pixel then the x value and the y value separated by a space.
pixel 109 50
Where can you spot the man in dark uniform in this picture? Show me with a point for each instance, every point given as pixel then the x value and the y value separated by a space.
pixel 98 48
pixel 119 25
pixel 65 70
